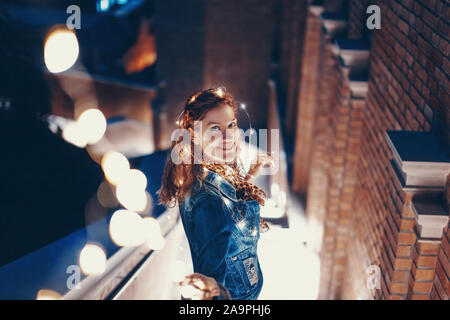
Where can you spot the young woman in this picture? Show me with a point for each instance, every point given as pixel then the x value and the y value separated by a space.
pixel 219 205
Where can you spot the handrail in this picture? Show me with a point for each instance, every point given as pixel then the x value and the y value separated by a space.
pixel 120 266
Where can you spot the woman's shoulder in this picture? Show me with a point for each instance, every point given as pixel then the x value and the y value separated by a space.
pixel 204 191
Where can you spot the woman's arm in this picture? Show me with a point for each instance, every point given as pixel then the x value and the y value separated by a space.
pixel 262 160
pixel 211 219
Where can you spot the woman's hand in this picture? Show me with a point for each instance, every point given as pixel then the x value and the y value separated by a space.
pixel 204 288
pixel 262 160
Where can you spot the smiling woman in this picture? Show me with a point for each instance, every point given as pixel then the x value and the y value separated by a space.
pixel 219 206
pixel 220 134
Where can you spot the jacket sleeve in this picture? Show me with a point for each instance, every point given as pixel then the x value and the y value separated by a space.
pixel 210 219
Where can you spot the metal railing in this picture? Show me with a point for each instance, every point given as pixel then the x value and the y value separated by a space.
pixel 121 267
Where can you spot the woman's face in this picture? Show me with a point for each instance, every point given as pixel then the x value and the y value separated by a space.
pixel 220 134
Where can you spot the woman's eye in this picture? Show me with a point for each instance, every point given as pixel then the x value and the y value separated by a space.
pixel 232 125
pixel 215 128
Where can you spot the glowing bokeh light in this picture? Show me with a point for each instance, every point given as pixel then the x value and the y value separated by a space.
pixel 281 200
pixel 269 210
pixel 73 134
pixel 92 122
pixel 46 294
pixel 105 195
pixel 115 166
pixel 190 292
pixel 151 226
pixel 60 50
pixel 274 189
pixel 131 198
pixel 126 228
pixel 135 179
pixel 155 243
pixel 153 235
pixel 92 259
pixel 219 92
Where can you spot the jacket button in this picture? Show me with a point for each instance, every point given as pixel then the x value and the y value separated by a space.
pixel 234 258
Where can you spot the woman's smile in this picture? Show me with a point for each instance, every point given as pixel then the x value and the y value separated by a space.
pixel 228 145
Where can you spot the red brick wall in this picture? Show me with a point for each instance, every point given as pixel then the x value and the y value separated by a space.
pixel 441 282
pixel 215 43
pixel 179 68
pixel 402 96
pixel 293 21
pixel 423 269
pixel 335 5
pixel 320 181
pixel 238 44
pixel 306 103
pixel 357 19
pixel 353 192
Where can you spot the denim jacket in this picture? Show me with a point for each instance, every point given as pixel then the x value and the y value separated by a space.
pixel 223 233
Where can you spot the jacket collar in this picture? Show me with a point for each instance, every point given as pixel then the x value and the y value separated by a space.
pixel 222 184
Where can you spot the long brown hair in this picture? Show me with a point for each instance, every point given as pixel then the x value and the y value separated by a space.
pixel 178 179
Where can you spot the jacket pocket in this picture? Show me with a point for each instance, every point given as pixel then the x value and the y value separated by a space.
pixel 244 272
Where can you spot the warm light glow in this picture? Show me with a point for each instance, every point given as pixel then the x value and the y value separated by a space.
pixel 281 200
pixel 132 198
pixel 269 210
pixel 189 292
pixel 131 192
pixel 274 189
pixel 126 228
pixel 301 267
pixel 152 233
pixel 155 243
pixel 92 260
pixel 151 226
pixel 219 92
pixel 73 134
pixel 270 203
pixel 60 50
pixel 105 195
pixel 115 166
pixel 46 294
pixel 135 179
pixel 92 122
